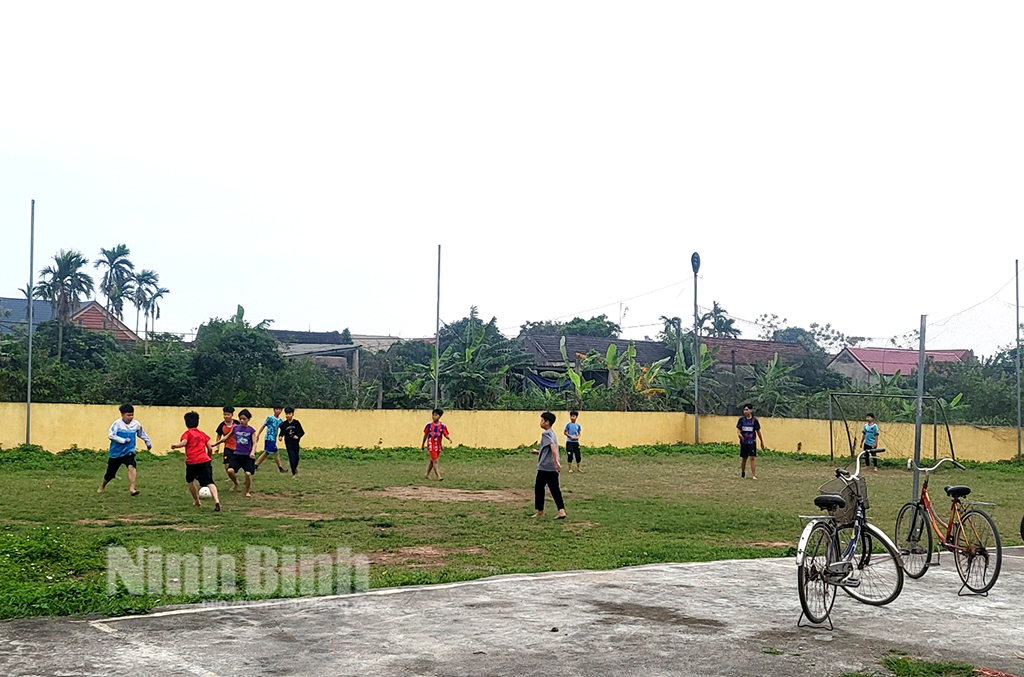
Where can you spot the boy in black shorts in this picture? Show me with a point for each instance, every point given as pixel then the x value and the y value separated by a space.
pixel 244 456
pixel 198 459
pixel 573 430
pixel 223 435
pixel 748 429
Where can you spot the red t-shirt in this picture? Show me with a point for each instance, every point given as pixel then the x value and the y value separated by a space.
pixel 195 446
pixel 434 432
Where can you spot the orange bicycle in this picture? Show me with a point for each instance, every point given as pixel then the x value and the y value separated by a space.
pixel 970 534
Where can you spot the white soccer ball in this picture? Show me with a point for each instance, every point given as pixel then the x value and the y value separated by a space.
pixel 204 492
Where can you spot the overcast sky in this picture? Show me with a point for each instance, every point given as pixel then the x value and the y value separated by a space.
pixel 858 164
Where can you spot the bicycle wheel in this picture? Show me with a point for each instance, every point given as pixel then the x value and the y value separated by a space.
pixel 914 539
pixel 978 551
pixel 876 567
pixel 817 595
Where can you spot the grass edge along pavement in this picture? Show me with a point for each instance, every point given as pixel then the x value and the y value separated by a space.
pixel 35 545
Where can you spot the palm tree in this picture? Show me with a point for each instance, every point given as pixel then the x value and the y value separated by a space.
pixel 718 323
pixel 143 282
pixel 153 310
pixel 64 285
pixel 117 276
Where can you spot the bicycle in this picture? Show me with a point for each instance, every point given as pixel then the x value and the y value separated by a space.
pixel 970 534
pixel 868 568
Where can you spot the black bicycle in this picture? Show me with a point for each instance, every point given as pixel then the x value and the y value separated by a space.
pixel 844 550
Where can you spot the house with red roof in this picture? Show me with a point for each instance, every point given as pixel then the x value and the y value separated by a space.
pixel 859 363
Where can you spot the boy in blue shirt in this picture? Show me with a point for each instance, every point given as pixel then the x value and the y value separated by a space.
pixel 572 440
pixel 869 438
pixel 122 435
pixel 272 424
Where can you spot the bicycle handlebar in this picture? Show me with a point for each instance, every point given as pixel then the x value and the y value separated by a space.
pixel 911 465
pixel 845 474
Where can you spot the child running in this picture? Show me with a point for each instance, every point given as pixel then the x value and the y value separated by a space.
pixel 572 440
pixel 270 444
pixel 434 431
pixel 122 435
pixel 244 456
pixel 292 432
pixel 548 467
pixel 222 431
pixel 198 460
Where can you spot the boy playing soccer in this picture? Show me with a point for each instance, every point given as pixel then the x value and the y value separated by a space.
pixel 548 467
pixel 122 435
pixel 291 431
pixel 572 440
pixel 244 456
pixel 270 444
pixel 198 459
pixel 222 431
pixel 869 438
pixel 433 432
pixel 747 428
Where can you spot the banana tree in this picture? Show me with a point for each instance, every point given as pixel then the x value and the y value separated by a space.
pixel 581 386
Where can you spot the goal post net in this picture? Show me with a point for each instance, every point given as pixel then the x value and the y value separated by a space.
pixel 895 417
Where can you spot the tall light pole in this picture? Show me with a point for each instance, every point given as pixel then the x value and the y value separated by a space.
pixel 31 295
pixel 437 335
pixel 695 263
pixel 1016 273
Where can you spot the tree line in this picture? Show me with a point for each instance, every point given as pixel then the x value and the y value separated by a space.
pixel 234 362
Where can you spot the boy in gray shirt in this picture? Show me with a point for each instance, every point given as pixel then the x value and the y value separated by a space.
pixel 548 467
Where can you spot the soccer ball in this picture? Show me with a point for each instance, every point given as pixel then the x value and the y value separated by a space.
pixel 204 492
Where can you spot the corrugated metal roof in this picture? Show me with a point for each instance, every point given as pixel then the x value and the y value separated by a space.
pixel 14 313
pixel 750 352
pixel 546 353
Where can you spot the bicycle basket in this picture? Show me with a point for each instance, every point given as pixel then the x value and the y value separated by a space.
pixel 850 492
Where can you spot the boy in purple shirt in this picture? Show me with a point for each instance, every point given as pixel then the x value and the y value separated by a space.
pixel 244 457
pixel 748 429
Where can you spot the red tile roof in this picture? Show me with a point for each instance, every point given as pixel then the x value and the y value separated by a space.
pixel 94 316
pixel 887 361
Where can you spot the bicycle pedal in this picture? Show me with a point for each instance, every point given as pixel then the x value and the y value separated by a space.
pixel 851 583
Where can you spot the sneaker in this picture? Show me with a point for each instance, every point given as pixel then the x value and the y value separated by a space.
pixel 743 473
pixel 280 468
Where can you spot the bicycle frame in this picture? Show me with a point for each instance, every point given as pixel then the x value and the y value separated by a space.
pixel 936 522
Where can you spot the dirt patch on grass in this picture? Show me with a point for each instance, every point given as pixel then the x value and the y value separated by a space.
pixel 768 544
pixel 127 519
pixel 455 495
pixel 179 527
pixel 420 556
pixel 284 514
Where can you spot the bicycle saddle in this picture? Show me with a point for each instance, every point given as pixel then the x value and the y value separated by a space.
pixel 957 490
pixel 829 501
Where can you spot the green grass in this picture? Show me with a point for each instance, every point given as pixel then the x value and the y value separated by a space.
pixel 635 506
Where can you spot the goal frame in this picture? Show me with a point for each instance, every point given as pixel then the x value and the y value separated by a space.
pixel 834 402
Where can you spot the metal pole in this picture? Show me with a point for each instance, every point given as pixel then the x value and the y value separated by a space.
pixel 437 334
pixel 696 367
pixel 1016 265
pixel 920 401
pixel 831 440
pixel 31 295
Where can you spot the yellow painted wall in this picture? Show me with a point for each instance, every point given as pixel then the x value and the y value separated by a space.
pixel 58 426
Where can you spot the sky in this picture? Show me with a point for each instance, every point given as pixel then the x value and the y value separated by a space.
pixel 858 165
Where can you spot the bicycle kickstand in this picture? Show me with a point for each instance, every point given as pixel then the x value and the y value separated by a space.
pixel 800 623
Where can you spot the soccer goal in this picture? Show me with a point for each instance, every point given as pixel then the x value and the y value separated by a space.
pixel 895 417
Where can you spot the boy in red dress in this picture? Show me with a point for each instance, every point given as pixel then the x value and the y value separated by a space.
pixel 433 433
pixel 198 455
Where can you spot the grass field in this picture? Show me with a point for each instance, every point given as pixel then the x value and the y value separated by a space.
pixel 634 506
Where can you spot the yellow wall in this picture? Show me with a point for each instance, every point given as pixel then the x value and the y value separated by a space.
pixel 59 426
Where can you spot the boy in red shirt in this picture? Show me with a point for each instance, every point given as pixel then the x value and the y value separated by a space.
pixel 433 432
pixel 198 454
